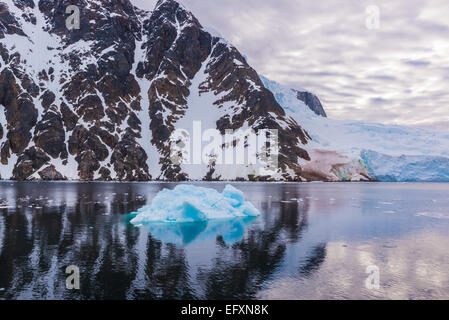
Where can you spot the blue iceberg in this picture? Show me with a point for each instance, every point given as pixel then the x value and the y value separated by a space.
pixel 188 204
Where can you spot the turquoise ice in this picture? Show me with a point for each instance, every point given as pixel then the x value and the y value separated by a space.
pixel 188 203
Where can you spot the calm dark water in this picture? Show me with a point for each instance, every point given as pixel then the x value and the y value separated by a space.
pixel 313 241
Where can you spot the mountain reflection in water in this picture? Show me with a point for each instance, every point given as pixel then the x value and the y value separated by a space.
pixel 312 241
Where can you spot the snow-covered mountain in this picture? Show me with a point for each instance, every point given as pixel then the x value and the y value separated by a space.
pixel 101 103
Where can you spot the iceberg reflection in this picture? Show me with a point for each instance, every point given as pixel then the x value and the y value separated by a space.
pixel 184 233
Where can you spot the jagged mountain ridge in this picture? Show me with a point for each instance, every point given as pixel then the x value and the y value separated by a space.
pixel 100 103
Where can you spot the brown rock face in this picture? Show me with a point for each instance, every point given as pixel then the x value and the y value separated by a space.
pixel 49 135
pixel 50 174
pixel 28 163
pixel 20 112
pixel 106 98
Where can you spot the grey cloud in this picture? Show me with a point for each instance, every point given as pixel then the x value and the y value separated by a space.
pixel 382 77
pixel 324 46
pixel 417 63
pixel 379 100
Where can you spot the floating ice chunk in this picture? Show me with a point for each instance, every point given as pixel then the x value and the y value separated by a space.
pixel 187 203
pixel 435 215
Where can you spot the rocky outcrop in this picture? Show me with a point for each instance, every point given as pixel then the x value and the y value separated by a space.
pixel 312 102
pixel 50 174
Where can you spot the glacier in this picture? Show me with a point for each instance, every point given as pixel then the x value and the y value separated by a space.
pixel 354 150
pixel 387 168
pixel 188 204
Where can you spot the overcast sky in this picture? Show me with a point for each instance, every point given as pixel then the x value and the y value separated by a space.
pixel 394 71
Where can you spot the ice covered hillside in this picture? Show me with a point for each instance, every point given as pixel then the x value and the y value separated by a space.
pixel 351 150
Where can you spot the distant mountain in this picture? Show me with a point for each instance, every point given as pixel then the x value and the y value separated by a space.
pixel 101 102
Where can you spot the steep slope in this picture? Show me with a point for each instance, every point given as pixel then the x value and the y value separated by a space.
pixel 288 98
pixel 197 76
pixel 350 150
pixel 102 102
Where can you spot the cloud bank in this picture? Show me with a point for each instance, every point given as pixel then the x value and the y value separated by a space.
pixel 397 73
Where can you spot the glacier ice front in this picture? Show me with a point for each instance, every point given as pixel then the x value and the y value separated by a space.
pixel 187 203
